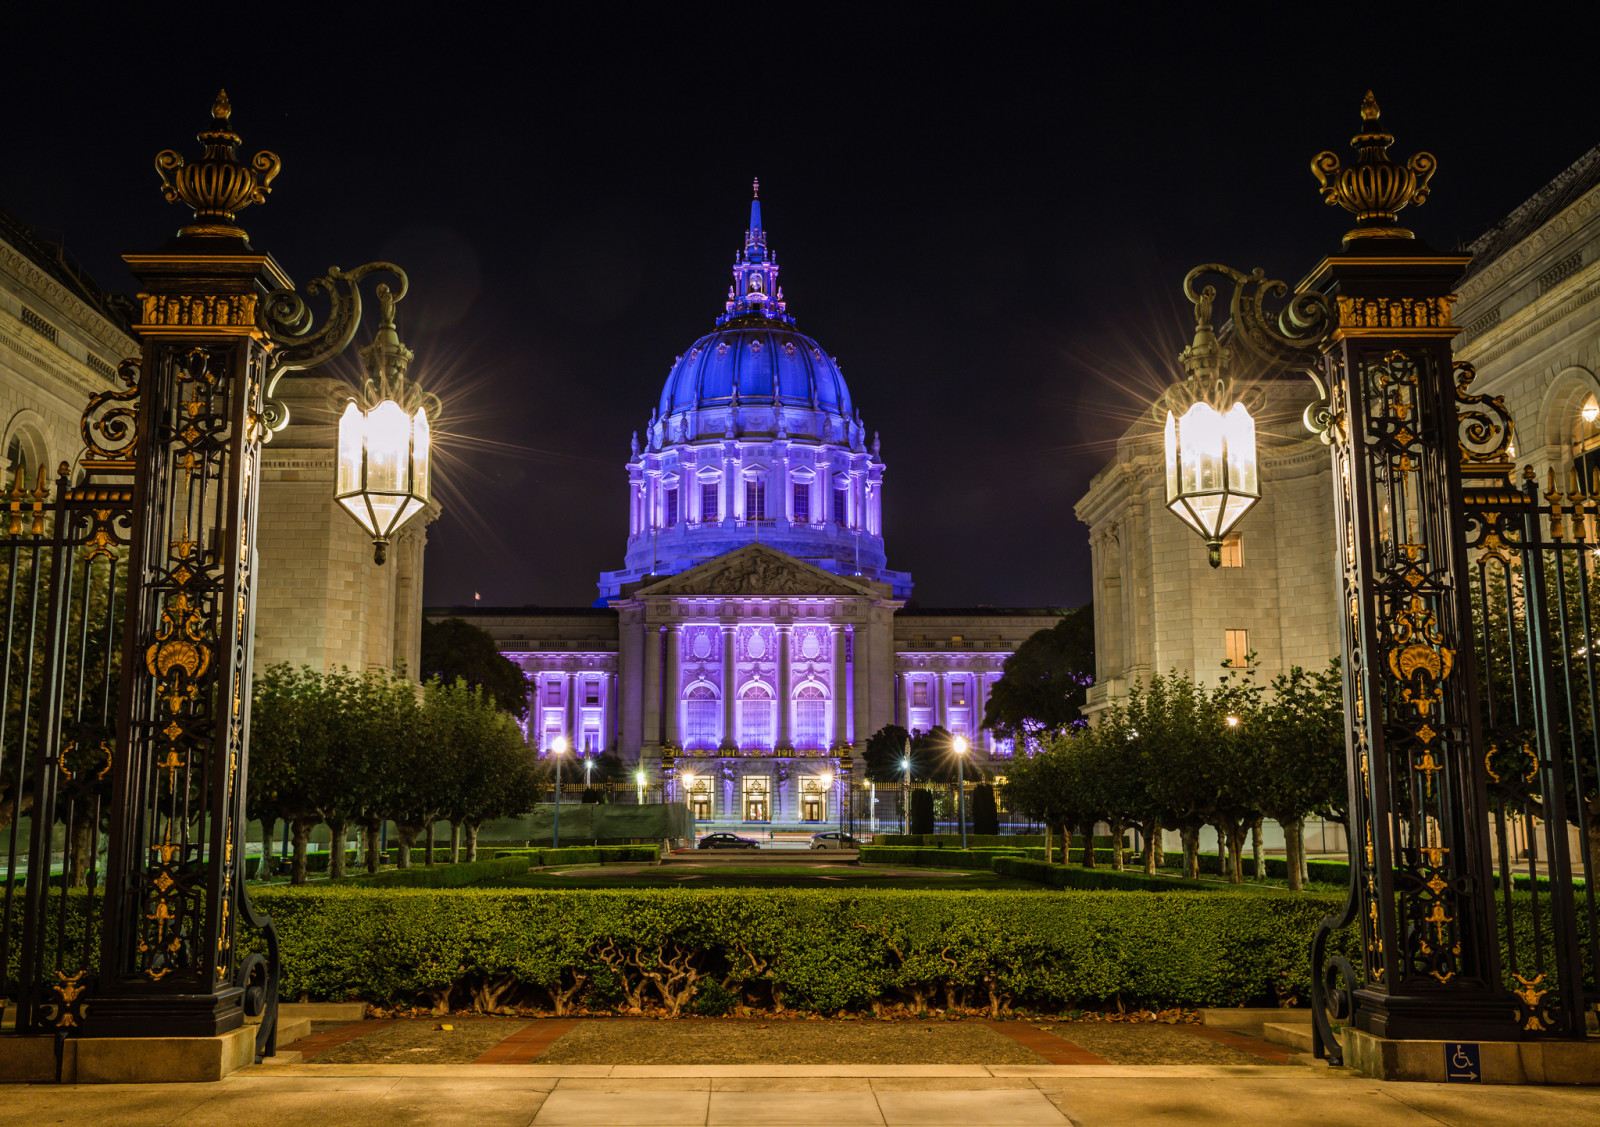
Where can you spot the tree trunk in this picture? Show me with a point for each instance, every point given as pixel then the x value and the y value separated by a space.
pixel 300 833
pixel 336 850
pixel 1191 852
pixel 1235 854
pixel 471 829
pixel 1049 845
pixel 1065 835
pixel 1116 845
pixel 1154 852
pixel 1300 848
pixel 1256 852
pixel 405 838
pixel 1294 843
pixel 427 847
pixel 455 842
pixel 372 829
pixel 1088 846
pixel 264 869
pixel 78 845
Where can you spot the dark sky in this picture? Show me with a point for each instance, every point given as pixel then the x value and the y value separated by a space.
pixel 986 218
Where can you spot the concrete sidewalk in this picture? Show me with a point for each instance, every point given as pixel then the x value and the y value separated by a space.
pixel 760 1095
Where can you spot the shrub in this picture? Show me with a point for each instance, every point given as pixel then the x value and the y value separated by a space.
pixel 1067 876
pixel 713 999
pixel 985 814
pixel 921 812
pixel 933 858
pixel 823 949
pixel 584 855
pixel 979 841
pixel 441 876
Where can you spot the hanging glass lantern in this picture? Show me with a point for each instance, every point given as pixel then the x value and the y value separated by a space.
pixel 1212 479
pixel 384 443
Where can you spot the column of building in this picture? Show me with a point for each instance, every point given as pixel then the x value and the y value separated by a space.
pixel 652 688
pixel 674 690
pixel 785 695
pixel 840 730
pixel 729 741
pixel 861 662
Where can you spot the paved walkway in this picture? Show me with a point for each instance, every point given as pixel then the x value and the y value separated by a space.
pixel 508 1095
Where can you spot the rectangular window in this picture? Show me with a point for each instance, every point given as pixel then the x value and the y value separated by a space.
pixel 802 503
pixel 755 500
pixel 840 515
pixel 958 693
pixel 591 692
pixel 1231 555
pixel 552 692
pixel 919 694
pixel 811 723
pixel 672 507
pixel 708 502
pixel 1238 646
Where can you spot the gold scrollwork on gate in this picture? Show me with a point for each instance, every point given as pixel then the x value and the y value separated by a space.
pixel 1419 657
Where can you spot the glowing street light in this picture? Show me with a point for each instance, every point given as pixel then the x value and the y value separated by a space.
pixel 384 444
pixel 961 747
pixel 905 807
pixel 638 777
pixel 558 748
pixel 1212 479
pixel 1233 721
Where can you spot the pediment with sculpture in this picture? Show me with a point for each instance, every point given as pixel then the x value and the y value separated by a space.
pixel 756 569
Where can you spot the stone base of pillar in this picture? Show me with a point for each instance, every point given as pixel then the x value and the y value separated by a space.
pixel 1498 1062
pixel 128 1060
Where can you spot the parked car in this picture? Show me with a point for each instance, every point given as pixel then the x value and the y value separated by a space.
pixel 833 839
pixel 727 841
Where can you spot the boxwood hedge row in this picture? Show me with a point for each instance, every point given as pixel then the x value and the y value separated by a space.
pixel 819 949
pixel 584 855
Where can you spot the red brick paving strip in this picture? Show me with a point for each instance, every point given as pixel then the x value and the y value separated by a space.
pixel 317 1043
pixel 1266 1050
pixel 1055 1050
pixel 525 1045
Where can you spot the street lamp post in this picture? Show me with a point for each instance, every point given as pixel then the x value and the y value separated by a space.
pixel 558 748
pixel 1371 326
pixel 638 777
pixel 905 806
pixel 961 747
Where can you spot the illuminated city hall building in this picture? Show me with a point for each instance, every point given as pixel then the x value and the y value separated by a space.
pixel 755 635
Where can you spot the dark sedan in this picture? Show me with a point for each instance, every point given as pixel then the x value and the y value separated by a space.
pixel 727 841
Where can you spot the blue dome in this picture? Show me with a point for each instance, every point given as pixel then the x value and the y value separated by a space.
pixel 760 363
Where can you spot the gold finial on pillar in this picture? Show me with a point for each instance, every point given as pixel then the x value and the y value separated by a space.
pixel 1374 188
pixel 216 186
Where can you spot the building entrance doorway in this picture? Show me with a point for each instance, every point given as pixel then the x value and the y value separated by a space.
pixel 756 808
pixel 811 808
pixel 700 801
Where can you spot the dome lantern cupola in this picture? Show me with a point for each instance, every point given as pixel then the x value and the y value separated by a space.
pixel 755 293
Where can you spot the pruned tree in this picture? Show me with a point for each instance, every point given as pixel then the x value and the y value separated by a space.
pixel 1045 682
pixel 455 650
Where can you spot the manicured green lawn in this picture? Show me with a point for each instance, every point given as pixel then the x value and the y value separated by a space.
pixel 755 876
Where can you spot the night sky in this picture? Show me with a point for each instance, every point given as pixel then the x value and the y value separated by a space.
pixel 986 219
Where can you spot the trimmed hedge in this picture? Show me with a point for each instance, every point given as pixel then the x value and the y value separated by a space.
pixel 458 875
pixel 584 855
pixel 316 862
pixel 818 949
pixel 1069 876
pixel 933 858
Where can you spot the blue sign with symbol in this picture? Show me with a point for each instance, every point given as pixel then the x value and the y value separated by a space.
pixel 1461 1063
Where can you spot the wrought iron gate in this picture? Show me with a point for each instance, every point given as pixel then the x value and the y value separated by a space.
pixel 1536 610
pixel 63 580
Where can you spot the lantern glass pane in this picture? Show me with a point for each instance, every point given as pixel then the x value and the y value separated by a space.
pixel 1172 457
pixel 388 449
pixel 352 425
pixel 1200 450
pixel 421 453
pixel 1239 431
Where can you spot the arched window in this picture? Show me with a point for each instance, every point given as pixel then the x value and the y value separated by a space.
pixel 755 718
pixel 810 718
pixel 1586 444
pixel 25 454
pixel 702 718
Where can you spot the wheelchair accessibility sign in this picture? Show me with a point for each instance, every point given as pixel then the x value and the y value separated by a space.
pixel 1461 1063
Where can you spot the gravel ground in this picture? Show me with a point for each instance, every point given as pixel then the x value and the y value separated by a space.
pixel 626 1041
pixel 420 1041
pixel 1146 1043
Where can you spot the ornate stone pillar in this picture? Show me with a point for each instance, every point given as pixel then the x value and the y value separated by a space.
pixel 840 728
pixel 942 715
pixel 785 691
pixel 574 736
pixel 652 687
pixel 861 664
pixel 674 687
pixel 729 743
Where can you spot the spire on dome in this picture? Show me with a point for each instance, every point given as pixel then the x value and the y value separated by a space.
pixel 755 289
